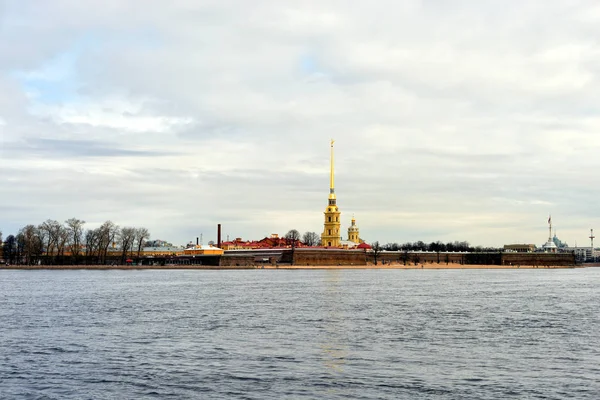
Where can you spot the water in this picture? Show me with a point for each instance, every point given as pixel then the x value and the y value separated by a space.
pixel 274 334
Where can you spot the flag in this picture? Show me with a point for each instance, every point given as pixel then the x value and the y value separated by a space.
pixel 549 219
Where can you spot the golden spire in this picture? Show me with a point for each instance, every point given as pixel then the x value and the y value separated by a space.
pixel 331 175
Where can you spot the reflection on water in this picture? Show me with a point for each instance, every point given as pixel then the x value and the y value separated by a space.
pixel 334 349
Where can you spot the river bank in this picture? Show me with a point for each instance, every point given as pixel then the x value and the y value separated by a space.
pixel 285 266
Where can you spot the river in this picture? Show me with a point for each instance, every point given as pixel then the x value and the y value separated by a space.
pixel 315 334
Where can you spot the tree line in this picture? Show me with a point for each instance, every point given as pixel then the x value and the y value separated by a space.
pixel 437 247
pixel 52 242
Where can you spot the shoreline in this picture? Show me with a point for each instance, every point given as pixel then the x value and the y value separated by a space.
pixel 285 266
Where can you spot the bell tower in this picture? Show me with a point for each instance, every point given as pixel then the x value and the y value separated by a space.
pixel 353 235
pixel 331 236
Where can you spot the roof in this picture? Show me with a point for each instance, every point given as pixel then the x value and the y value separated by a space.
pixel 363 246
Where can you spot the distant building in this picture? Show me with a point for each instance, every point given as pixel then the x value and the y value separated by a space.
pixel 353 234
pixel 520 248
pixel 271 242
pixel 199 250
pixel 331 236
pixel 549 246
pixel 584 253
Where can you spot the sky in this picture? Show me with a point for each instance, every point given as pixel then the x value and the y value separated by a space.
pixel 461 120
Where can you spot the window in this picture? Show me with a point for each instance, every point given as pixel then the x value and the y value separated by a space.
pixel 329 219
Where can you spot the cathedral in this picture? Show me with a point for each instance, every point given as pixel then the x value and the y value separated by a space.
pixel 331 236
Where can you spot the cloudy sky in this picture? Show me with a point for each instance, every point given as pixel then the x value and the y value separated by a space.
pixel 453 120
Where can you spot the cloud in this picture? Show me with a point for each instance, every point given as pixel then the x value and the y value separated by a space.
pixel 56 148
pixel 453 121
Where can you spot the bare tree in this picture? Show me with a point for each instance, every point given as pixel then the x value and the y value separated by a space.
pixel 50 231
pixel 63 238
pixel 141 236
pixel 292 237
pixel 108 232
pixel 127 239
pixel 10 249
pixel 376 247
pixel 92 244
pixel 311 239
pixel 31 243
pixel 75 230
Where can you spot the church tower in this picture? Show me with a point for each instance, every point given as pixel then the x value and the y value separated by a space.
pixel 331 236
pixel 353 235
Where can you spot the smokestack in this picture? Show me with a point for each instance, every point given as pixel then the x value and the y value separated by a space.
pixel 197 242
pixel 219 235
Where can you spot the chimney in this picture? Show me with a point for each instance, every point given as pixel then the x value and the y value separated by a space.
pixel 197 242
pixel 219 235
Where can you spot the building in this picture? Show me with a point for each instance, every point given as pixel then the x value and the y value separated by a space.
pixel 584 254
pixel 549 246
pixel 199 250
pixel 520 248
pixel 353 233
pixel 271 242
pixel 331 236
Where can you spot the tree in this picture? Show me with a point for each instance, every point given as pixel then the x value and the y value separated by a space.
pixel 92 237
pixel 107 233
pixel 293 236
pixel 10 249
pixel 376 247
pixel 50 232
pixel 75 237
pixel 127 237
pixel 63 238
pixel 311 239
pixel 141 236
pixel 30 244
pixel 405 255
pixel 391 247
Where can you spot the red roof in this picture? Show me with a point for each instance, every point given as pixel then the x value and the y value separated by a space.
pixel 363 246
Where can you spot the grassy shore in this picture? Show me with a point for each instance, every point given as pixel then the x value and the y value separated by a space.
pixel 283 266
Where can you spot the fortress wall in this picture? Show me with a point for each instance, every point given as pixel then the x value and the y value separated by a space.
pixel 539 259
pixel 536 259
pixel 334 257
pixel 329 257
pixel 402 257
pixel 237 260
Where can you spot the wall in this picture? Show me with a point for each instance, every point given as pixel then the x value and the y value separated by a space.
pixel 329 257
pixel 540 259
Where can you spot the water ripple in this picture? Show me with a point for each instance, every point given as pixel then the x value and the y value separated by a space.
pixel 299 334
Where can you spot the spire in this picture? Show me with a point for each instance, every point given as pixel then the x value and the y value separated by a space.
pixel 331 175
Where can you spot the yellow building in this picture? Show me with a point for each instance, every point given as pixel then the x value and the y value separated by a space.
pixel 331 236
pixel 353 235
pixel 200 250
